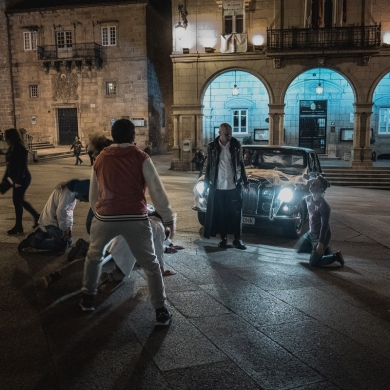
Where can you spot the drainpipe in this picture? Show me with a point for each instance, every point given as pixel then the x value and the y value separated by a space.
pixel 10 70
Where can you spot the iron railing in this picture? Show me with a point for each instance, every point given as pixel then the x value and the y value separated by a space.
pixel 346 38
pixel 77 51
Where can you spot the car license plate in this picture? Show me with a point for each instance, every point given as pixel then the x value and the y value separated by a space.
pixel 248 221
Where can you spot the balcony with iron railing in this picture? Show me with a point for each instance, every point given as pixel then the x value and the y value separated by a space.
pixel 89 52
pixel 350 39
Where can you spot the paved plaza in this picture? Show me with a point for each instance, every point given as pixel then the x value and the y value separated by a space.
pixel 255 319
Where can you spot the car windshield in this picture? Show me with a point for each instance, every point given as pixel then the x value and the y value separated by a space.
pixel 281 159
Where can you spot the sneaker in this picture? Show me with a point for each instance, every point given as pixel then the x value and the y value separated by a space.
pixel 79 250
pixel 340 258
pixel 53 277
pixel 239 244
pixel 26 242
pixel 15 230
pixel 86 302
pixel 163 317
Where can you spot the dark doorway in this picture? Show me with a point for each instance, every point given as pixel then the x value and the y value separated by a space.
pixel 312 124
pixel 67 125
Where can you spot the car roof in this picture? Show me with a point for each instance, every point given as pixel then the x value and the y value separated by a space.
pixel 281 147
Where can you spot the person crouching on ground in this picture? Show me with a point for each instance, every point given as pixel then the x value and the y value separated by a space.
pixel 56 220
pixel 316 240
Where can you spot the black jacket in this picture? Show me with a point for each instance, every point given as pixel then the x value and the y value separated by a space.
pixel 211 176
pixel 16 159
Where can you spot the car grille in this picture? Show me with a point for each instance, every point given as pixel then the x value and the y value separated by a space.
pixel 254 203
pixel 250 201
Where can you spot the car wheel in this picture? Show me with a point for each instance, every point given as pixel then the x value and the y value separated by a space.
pixel 293 229
pixel 201 217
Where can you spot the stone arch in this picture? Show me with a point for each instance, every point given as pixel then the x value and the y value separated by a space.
pixel 246 111
pixel 221 71
pixel 292 77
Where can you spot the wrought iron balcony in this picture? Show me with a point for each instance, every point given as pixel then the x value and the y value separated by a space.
pixel 79 51
pixel 351 39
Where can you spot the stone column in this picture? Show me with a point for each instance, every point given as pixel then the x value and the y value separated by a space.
pixel 199 138
pixel 187 131
pixel 361 149
pixel 176 148
pixel 276 124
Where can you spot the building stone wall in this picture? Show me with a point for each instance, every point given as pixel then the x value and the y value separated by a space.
pixel 66 84
pixel 193 72
pixel 6 107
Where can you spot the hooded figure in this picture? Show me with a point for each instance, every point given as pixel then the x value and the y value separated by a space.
pixel 56 220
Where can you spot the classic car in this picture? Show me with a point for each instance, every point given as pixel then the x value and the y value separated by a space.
pixel 279 177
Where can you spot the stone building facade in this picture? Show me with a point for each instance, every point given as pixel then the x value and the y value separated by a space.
pixel 79 66
pixel 290 47
pixel 6 93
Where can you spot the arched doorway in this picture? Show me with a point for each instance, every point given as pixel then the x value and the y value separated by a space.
pixel 319 112
pixel 240 99
pixel 380 119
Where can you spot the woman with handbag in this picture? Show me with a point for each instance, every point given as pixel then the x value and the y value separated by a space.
pixel 17 171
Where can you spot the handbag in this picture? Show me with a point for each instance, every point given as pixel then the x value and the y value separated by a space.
pixel 5 186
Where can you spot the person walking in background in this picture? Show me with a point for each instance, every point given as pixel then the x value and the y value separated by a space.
pixel 316 240
pixel 17 171
pixel 198 160
pixel 224 176
pixel 77 147
pixel 148 149
pixel 119 178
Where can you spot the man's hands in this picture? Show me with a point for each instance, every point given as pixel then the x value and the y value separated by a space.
pixel 320 248
pixel 65 235
pixel 171 228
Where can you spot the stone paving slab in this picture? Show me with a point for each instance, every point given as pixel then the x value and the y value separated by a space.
pixel 255 319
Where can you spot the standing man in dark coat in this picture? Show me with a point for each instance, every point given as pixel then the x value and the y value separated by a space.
pixel 225 173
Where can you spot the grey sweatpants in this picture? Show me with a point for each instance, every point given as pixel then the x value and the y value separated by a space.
pixel 139 238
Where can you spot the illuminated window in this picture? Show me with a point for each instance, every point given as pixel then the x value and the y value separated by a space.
pixel 33 91
pixel 384 121
pixel 30 40
pixel 109 36
pixel 111 88
pixel 240 121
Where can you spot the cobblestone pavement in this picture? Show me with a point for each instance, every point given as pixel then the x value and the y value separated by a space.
pixel 255 319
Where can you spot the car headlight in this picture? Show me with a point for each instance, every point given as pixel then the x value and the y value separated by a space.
pixel 286 195
pixel 200 187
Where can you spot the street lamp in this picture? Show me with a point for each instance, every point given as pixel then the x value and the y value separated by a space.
pixel 235 90
pixel 319 88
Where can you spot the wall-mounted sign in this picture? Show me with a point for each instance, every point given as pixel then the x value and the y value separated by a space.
pixel 33 120
pixel 138 122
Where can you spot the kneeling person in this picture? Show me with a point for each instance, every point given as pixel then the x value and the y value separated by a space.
pixel 316 240
pixel 56 220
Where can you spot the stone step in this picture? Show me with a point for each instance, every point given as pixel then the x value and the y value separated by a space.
pixel 56 156
pixel 42 145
